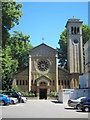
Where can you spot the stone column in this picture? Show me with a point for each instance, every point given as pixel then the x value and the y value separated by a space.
pixel 29 84
pixel 81 55
pixel 56 72
pixel 37 91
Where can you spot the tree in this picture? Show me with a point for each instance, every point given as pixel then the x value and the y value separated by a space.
pixel 20 46
pixel 15 47
pixel 14 56
pixel 9 65
pixel 62 50
pixel 10 16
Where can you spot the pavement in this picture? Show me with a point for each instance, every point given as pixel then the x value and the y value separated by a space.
pixel 41 109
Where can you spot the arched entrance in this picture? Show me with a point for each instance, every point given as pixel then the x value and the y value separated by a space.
pixel 43 90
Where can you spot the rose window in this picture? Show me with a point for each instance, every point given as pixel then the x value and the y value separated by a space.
pixel 42 65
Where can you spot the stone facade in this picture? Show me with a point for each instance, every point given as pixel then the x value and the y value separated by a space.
pixel 87 62
pixel 43 73
pixel 75 48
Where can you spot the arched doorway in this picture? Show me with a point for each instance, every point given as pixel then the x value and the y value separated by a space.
pixel 43 87
pixel 43 90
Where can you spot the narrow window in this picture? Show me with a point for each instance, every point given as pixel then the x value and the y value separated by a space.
pixel 68 83
pixel 26 82
pixel 74 30
pixel 62 82
pixel 17 82
pixel 78 30
pixel 53 82
pixel 71 30
pixel 23 82
pixel 32 82
pixel 20 82
pixel 65 82
pixel 59 82
pixel 50 82
pixel 35 83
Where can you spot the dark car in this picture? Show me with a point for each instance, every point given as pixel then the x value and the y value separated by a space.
pixel 13 94
pixel 85 105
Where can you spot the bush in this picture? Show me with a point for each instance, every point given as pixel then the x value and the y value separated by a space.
pixel 3 91
pixel 26 94
pixel 54 94
pixel 16 89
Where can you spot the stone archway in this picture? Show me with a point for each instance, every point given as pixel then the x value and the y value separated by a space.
pixel 43 87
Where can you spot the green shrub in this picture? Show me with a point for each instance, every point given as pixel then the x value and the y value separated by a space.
pixel 14 88
pixel 3 91
pixel 25 94
pixel 54 94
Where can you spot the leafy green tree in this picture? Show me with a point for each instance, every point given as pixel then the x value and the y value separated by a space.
pixel 15 47
pixel 10 16
pixel 15 56
pixel 9 65
pixel 20 46
pixel 62 50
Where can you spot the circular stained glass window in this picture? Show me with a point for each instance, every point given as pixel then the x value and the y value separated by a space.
pixel 42 65
pixel 75 41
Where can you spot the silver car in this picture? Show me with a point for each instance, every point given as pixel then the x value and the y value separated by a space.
pixel 13 100
pixel 75 102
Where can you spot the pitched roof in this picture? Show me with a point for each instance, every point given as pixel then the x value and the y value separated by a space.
pixel 63 69
pixel 41 45
pixel 43 77
pixel 21 70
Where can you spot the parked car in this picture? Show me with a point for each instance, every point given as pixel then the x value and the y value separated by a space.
pixel 16 95
pixel 4 99
pixel 75 102
pixel 85 105
pixel 13 100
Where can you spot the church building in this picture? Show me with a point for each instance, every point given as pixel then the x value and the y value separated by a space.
pixel 44 75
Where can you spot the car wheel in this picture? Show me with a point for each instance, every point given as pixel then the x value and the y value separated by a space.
pixel 86 109
pixel 78 107
pixel 2 103
pixel 22 101
pixel 12 102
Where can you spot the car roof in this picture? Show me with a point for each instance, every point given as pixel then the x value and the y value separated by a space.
pixel 79 98
pixel 85 99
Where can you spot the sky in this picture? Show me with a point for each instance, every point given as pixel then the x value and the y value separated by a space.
pixel 48 19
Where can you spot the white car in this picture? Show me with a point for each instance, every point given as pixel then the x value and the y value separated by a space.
pixel 13 100
pixel 75 102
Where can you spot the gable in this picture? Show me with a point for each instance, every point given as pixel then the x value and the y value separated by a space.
pixel 43 50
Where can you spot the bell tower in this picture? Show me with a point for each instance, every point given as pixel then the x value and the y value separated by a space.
pixel 75 45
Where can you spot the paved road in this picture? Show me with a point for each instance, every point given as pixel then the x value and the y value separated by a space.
pixel 41 109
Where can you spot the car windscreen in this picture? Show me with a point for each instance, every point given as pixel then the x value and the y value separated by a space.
pixel 19 93
pixel 76 98
pixel 83 100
